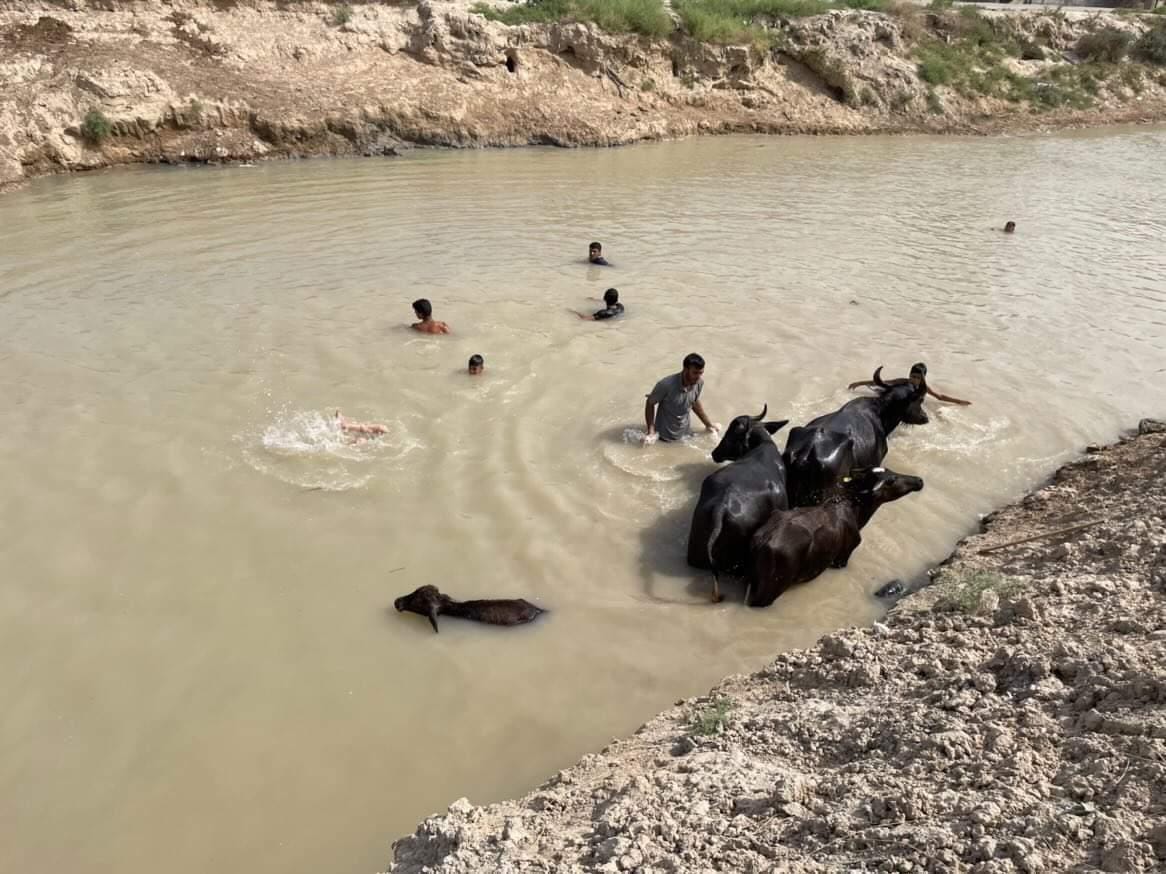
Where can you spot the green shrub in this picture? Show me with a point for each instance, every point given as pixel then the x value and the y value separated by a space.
pixel 1107 45
pixel 713 719
pixel 648 84
pixel 934 103
pixel 1151 45
pixel 341 15
pixel 968 587
pixel 646 17
pixel 96 127
pixel 935 68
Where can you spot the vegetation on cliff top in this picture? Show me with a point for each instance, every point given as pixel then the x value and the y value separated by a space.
pixel 955 48
pixel 646 17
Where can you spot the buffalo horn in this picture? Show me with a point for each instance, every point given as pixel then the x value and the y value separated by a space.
pixel 878 377
pixel 764 410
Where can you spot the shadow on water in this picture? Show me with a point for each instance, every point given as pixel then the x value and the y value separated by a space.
pixel 664 549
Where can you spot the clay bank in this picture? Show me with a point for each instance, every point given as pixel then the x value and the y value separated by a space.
pixel 90 84
pixel 1009 717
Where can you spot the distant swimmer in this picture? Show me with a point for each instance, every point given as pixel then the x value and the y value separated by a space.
pixel 918 374
pixel 365 429
pixel 666 412
pixel 476 366
pixel 1009 227
pixel 595 255
pixel 611 308
pixel 423 310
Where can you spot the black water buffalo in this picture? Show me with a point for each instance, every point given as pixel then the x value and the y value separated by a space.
pixel 735 500
pixel 817 454
pixel 794 546
pixel 428 601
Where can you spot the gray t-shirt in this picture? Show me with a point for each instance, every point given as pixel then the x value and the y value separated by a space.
pixel 675 401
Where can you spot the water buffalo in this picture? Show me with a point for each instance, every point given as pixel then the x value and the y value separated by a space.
pixel 794 546
pixel 819 453
pixel 735 500
pixel 428 601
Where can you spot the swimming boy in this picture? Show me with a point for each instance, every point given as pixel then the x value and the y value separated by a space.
pixel 1010 227
pixel 476 366
pixel 423 310
pixel 611 308
pixel 918 374
pixel 368 429
pixel 595 255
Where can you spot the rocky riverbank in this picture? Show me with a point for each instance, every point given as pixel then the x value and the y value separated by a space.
pixel 91 83
pixel 1009 717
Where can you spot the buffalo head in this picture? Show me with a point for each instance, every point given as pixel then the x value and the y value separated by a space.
pixel 745 433
pixel 425 601
pixel 872 487
pixel 900 401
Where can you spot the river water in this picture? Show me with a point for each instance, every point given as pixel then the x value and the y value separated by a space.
pixel 200 664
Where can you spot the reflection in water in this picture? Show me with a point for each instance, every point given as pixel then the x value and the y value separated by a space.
pixel 198 662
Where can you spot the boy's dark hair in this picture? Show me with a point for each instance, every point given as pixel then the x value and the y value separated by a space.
pixel 477 361
pixel 693 360
pixel 920 368
pixel 423 308
pixel 611 297
pixel 598 246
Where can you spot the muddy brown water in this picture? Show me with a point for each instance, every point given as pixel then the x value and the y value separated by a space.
pixel 200 664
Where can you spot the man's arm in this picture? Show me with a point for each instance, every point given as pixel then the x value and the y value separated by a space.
pixel 650 417
pixel 699 410
pixel 947 398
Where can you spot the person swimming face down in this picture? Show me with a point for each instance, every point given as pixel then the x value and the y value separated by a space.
pixel 476 366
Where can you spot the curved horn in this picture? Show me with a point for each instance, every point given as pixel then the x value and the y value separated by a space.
pixel 764 410
pixel 878 377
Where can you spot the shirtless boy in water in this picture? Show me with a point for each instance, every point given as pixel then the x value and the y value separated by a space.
pixel 423 310
pixel 917 375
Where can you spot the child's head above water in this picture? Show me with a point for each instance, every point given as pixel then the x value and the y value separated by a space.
pixel 477 365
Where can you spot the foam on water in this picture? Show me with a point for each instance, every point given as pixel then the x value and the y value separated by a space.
pixel 307 448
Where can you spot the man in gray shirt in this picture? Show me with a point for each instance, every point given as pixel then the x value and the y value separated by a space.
pixel 666 412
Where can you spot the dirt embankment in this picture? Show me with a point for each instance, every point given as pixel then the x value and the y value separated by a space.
pixel 209 80
pixel 1009 718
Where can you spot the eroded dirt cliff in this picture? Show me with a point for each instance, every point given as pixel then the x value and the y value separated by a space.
pixel 87 83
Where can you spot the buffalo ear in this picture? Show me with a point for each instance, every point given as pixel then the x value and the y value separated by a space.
pixel 774 427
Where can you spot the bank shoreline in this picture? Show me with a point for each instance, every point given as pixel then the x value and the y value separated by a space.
pixel 98 83
pixel 1011 716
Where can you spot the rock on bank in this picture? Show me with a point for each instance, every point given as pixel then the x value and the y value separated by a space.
pixel 1009 718
pixel 209 80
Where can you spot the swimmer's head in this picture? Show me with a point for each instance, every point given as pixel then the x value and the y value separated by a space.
pixel 918 373
pixel 477 365
pixel 1009 227
pixel 423 309
pixel 693 368
pixel 611 297
pixel 594 251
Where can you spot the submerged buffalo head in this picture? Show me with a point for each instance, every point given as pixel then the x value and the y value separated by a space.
pixel 426 601
pixel 872 487
pixel 745 433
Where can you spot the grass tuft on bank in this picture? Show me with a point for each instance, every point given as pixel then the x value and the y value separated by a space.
pixel 645 17
pixel 731 22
